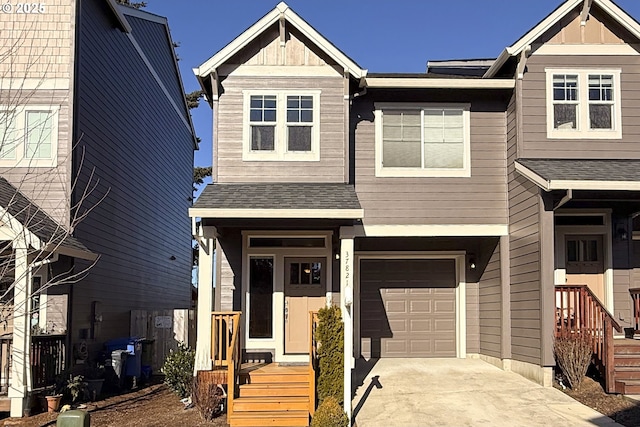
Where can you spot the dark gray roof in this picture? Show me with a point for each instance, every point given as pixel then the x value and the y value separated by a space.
pixel 278 196
pixel 584 170
pixel 35 220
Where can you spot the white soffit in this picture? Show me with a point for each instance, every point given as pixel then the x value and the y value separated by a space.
pixel 282 9
pixel 607 6
pixel 436 83
pixel 277 213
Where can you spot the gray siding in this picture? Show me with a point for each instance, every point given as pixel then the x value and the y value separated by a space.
pixel 490 306
pixel 330 168
pixel 480 199
pixel 625 257
pixel 536 144
pixel 135 144
pixel 524 256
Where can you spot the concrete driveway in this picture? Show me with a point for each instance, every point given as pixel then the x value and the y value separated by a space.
pixel 461 392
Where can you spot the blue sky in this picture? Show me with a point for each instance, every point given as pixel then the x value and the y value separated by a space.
pixel 381 36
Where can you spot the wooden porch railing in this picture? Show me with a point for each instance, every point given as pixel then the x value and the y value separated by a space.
pixel 225 349
pixel 578 310
pixel 635 297
pixel 47 359
pixel 313 360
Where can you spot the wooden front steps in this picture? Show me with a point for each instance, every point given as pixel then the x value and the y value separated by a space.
pixel 272 395
pixel 627 366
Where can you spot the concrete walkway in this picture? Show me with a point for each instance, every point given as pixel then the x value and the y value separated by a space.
pixel 461 392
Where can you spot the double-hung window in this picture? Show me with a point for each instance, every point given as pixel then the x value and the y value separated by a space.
pixel 28 136
pixel 282 125
pixel 583 104
pixel 422 140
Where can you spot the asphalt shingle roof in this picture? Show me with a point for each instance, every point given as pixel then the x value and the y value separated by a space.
pixel 35 219
pixel 584 169
pixel 278 196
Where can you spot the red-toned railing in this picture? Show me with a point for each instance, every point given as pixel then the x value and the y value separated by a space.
pixel 225 349
pixel 635 297
pixel 578 310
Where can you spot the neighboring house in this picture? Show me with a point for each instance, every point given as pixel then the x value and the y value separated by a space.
pixel 440 210
pixel 96 164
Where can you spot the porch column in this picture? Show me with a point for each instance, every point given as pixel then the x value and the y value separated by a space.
pixel 206 254
pixel 346 306
pixel 21 347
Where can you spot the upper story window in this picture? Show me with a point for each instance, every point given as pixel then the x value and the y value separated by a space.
pixel 282 125
pixel 583 104
pixel 28 136
pixel 422 140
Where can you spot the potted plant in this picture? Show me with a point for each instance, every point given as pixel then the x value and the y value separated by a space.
pixel 77 387
pixel 52 399
pixel 94 377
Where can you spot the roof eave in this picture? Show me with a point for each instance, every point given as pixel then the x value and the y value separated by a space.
pixel 257 213
pixel 437 83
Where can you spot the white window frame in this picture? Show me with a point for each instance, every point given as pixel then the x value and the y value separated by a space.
pixel 382 171
pixel 21 159
pixel 280 152
pixel 583 130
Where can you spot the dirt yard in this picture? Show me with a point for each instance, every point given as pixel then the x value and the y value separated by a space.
pixel 622 410
pixel 151 406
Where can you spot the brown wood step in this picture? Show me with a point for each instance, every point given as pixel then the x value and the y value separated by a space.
pixel 259 377
pixel 627 373
pixel 276 403
pixel 627 360
pixel 628 387
pixel 270 418
pixel 275 389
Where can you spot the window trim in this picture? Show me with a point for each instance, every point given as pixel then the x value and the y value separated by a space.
pixel 280 152
pixel 583 130
pixel 21 159
pixel 381 171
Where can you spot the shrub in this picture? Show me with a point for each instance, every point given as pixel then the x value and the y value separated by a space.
pixel 330 336
pixel 178 370
pixel 207 396
pixel 330 414
pixel 573 355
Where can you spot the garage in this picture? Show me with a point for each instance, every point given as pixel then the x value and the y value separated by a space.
pixel 408 307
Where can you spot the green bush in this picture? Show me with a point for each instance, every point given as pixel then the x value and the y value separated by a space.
pixel 330 337
pixel 178 370
pixel 330 414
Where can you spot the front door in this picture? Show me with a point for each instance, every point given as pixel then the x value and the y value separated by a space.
pixel 304 291
pixel 584 257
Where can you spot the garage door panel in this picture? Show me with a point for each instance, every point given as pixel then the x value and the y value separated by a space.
pixel 408 308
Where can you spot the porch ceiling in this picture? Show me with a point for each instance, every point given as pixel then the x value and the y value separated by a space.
pixel 285 200
pixel 581 174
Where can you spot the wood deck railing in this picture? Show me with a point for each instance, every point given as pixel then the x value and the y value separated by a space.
pixel 225 349
pixel 635 297
pixel 578 310
pixel 47 359
pixel 313 360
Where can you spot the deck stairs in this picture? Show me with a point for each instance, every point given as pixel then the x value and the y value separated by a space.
pixel 271 395
pixel 627 366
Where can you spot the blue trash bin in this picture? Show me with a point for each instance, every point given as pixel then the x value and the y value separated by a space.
pixel 133 345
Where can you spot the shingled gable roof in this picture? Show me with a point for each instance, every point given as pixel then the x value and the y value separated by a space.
pixel 51 235
pixel 285 200
pixel 581 174
pixel 609 7
pixel 281 10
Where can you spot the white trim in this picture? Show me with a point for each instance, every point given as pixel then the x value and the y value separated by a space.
pixel 381 171
pixel 583 130
pixel 586 49
pixel 34 84
pixel 608 6
pixel 126 27
pixel 561 184
pixel 242 70
pixel 280 151
pixel 277 213
pixel 20 158
pixel 281 10
pixel 433 230
pixel 438 83
pixel 460 297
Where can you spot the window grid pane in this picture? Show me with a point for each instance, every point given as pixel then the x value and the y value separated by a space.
pixel 299 109
pixel 8 134
pixel 262 108
pixel 443 136
pixel 39 132
pixel 401 138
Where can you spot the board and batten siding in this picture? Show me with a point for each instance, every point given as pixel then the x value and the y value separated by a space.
pixel 524 254
pixel 479 199
pixel 138 147
pixel 490 307
pixel 230 124
pixel 537 145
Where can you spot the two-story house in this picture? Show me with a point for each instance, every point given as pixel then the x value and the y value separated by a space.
pixel 97 164
pixel 476 209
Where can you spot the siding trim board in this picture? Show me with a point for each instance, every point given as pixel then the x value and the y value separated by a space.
pixel 437 83
pixel 433 230
pixel 279 213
